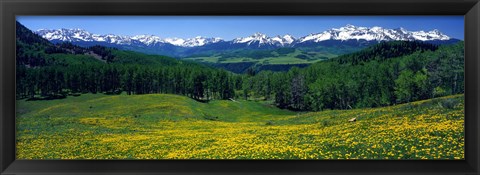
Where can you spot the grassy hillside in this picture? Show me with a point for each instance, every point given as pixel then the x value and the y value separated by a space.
pixel 95 126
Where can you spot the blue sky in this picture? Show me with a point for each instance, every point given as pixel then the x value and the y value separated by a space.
pixel 230 27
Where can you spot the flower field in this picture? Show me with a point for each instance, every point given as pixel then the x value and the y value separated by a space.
pixel 175 127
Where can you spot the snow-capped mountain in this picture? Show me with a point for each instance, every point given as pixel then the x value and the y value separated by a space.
pixel 353 36
pixel 262 39
pixel 200 41
pixel 350 32
pixel 257 37
pixel 431 35
pixel 148 39
pixel 79 35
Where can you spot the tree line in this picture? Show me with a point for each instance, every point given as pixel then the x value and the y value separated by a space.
pixel 59 81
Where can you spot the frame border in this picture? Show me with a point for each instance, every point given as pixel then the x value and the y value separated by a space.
pixel 10 8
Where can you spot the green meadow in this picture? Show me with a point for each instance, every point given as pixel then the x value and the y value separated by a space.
pixel 163 126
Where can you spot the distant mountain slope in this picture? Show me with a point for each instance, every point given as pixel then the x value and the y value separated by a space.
pixel 179 47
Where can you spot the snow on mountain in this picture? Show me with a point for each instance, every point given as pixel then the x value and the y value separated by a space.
pixel 148 39
pixel 115 39
pixel 430 35
pixel 257 37
pixel 263 39
pixel 199 41
pixel 66 34
pixel 76 35
pixel 289 39
pixel 175 41
pixel 348 32
pixel 283 40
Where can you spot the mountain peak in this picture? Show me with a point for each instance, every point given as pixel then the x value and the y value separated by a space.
pixel 401 29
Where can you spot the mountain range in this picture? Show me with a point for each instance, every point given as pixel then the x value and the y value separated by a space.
pixel 180 47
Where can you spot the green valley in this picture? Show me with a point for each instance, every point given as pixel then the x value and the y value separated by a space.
pixel 288 56
pixel 255 59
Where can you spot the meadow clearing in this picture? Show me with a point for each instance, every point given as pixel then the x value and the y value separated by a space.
pixel 162 126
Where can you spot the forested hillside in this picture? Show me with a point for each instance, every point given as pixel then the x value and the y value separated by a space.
pixel 357 80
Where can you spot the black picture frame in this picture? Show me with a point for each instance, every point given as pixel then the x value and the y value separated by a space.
pixel 9 9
